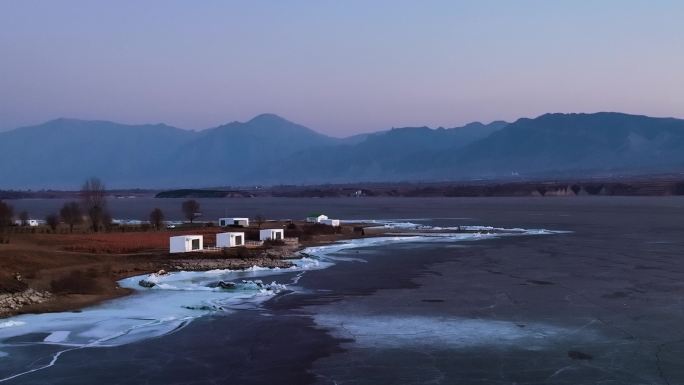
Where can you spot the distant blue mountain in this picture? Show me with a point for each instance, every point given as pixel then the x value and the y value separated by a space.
pixel 571 144
pixel 271 150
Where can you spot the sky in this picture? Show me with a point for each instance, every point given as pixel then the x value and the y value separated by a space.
pixel 339 67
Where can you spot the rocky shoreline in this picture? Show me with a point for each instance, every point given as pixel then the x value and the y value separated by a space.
pixel 232 264
pixel 10 303
pixel 33 300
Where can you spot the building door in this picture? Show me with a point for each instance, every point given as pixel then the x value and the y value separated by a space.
pixel 238 240
pixel 195 244
pixel 277 235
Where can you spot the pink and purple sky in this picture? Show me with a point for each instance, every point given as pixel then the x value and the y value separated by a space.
pixel 340 67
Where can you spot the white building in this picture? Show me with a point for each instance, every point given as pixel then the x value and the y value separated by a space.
pixel 273 234
pixel 186 243
pixel 230 239
pixel 331 222
pixel 244 222
pixel 316 218
pixel 29 222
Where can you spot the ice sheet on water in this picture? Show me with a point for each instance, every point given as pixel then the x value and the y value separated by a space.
pixel 407 224
pixel 392 331
pixel 389 223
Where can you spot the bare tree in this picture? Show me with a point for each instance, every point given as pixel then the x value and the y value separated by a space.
pixel 93 198
pixel 259 219
pixel 52 220
pixel 107 221
pixel 6 215
pixel 156 218
pixel 24 218
pixel 190 209
pixel 71 215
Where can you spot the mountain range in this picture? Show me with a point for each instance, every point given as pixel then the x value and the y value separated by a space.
pixel 268 149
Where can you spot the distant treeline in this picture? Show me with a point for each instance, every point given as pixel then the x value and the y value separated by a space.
pixel 644 186
pixel 502 190
pixel 654 187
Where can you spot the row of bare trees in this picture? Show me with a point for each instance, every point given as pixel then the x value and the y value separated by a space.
pixel 93 205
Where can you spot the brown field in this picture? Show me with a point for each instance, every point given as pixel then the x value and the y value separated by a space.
pixel 124 243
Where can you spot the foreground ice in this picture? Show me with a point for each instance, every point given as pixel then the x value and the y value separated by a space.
pixel 178 298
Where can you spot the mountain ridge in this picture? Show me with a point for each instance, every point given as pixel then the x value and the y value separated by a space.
pixel 269 149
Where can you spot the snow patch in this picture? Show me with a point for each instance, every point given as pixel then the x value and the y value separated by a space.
pixel 11 323
pixel 57 336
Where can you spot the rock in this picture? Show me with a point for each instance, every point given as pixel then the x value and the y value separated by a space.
pixel 226 285
pixel 204 307
pixel 222 284
pixel 147 284
pixel 15 301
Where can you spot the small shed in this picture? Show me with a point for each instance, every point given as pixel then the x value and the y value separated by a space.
pixel 230 239
pixel 331 222
pixel 243 222
pixel 272 234
pixel 316 218
pixel 186 243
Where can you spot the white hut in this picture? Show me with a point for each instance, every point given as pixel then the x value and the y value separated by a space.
pixel 316 218
pixel 243 222
pixel 272 234
pixel 331 222
pixel 230 239
pixel 29 222
pixel 186 243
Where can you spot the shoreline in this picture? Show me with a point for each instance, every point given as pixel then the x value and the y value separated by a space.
pixel 33 300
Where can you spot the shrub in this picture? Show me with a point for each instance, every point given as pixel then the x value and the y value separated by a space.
pixel 76 282
pixel 241 252
pixel 9 285
pixel 678 189
pixel 273 242
pixel 318 228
